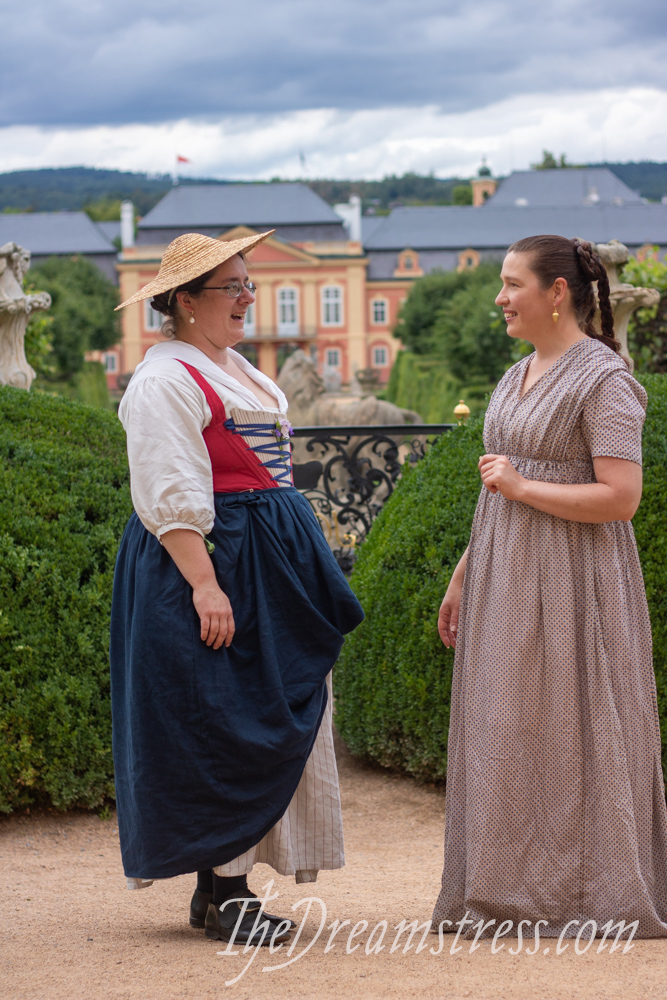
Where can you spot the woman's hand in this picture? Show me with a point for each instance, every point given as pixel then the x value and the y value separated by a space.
pixel 499 476
pixel 448 619
pixel 215 614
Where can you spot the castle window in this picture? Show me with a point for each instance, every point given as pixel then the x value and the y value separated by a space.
pixel 249 322
pixel 152 320
pixel 110 361
pixel 332 357
pixel 288 312
pixel 332 305
pixel 379 312
pixel 380 357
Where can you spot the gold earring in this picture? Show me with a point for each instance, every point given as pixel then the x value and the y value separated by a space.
pixel 554 315
pixel 192 319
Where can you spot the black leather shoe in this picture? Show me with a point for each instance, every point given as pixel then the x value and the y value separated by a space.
pixel 229 923
pixel 198 907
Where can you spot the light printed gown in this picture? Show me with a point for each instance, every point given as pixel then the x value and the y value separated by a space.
pixel 555 796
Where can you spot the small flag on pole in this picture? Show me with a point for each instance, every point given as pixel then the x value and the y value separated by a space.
pixel 182 159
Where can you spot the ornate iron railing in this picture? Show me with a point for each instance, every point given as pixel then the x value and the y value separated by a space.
pixel 352 473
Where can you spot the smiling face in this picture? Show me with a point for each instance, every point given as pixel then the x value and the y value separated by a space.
pixel 527 306
pixel 218 317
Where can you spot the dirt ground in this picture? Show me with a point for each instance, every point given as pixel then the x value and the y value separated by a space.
pixel 69 929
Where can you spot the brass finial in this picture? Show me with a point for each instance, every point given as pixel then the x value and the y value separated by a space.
pixel 461 412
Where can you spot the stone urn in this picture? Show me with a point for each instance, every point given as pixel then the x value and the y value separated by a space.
pixel 15 308
pixel 625 299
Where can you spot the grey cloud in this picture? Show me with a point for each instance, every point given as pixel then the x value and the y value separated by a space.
pixel 68 62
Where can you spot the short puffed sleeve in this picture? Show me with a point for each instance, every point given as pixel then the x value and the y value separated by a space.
pixel 613 416
pixel 170 470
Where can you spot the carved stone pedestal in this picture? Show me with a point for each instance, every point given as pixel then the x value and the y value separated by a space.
pixel 15 307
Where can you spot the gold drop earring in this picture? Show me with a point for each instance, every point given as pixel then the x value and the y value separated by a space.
pixel 554 315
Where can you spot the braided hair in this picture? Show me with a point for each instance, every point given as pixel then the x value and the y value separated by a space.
pixel 552 257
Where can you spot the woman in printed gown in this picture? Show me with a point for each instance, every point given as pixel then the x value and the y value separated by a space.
pixel 228 614
pixel 555 796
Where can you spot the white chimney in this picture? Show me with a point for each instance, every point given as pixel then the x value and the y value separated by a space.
pixel 126 224
pixel 350 213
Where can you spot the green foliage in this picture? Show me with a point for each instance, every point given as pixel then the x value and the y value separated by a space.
pixel 462 194
pixel 647 330
pixel 391 191
pixel 64 502
pixel 104 209
pixel 424 384
pixel 82 309
pixel 419 311
pixel 549 162
pixel 458 344
pixel 39 343
pixel 393 679
pixel 71 188
pixel 87 386
pixel 469 331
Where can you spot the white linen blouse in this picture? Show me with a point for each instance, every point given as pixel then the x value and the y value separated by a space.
pixel 164 413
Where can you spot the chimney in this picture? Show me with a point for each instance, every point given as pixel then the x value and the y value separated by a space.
pixel 350 213
pixel 126 224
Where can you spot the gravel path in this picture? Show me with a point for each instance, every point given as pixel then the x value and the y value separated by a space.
pixel 69 930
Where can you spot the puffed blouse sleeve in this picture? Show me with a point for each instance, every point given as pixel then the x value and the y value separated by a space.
pixel 170 469
pixel 613 417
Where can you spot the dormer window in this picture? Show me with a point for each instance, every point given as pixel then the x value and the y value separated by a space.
pixel 408 261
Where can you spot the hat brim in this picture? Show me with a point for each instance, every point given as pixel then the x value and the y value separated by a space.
pixel 195 258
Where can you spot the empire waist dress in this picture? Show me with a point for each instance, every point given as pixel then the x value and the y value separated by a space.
pixel 222 757
pixel 555 804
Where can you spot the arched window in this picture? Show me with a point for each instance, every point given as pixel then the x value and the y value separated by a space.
pixel 408 264
pixel 332 357
pixel 380 357
pixel 288 312
pixel 332 305
pixel 468 260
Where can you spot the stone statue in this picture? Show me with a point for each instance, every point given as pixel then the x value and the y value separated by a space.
pixel 625 299
pixel 15 307
pixel 310 405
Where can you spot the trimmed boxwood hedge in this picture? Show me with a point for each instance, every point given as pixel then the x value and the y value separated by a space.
pixel 393 679
pixel 64 502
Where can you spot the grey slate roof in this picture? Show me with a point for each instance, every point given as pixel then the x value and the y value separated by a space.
pixel 458 227
pixel 563 188
pixel 369 223
pixel 46 233
pixel 226 205
pixel 110 229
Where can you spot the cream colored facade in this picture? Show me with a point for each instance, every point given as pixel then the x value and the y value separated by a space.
pixel 315 296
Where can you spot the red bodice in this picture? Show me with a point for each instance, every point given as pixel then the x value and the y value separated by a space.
pixel 235 464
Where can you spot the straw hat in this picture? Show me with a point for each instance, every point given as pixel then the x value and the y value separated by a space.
pixel 189 256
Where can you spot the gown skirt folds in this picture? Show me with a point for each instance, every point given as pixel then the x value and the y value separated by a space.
pixel 210 745
pixel 555 804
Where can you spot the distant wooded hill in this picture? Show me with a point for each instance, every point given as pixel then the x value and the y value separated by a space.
pixel 76 188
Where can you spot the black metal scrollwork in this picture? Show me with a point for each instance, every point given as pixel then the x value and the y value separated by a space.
pixel 354 474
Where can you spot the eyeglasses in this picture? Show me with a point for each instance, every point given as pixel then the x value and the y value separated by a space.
pixel 234 288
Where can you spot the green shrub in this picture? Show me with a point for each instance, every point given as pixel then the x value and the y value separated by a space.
pixel 64 502
pixel 393 679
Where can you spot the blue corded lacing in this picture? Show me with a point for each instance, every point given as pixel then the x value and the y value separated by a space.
pixel 274 448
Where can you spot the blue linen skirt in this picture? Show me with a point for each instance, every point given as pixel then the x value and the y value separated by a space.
pixel 209 745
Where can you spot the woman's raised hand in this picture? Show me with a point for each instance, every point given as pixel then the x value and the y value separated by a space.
pixel 215 615
pixel 499 476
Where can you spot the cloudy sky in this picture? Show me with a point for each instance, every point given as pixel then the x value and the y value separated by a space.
pixel 330 87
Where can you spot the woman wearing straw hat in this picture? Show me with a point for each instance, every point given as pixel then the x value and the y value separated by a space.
pixel 228 614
